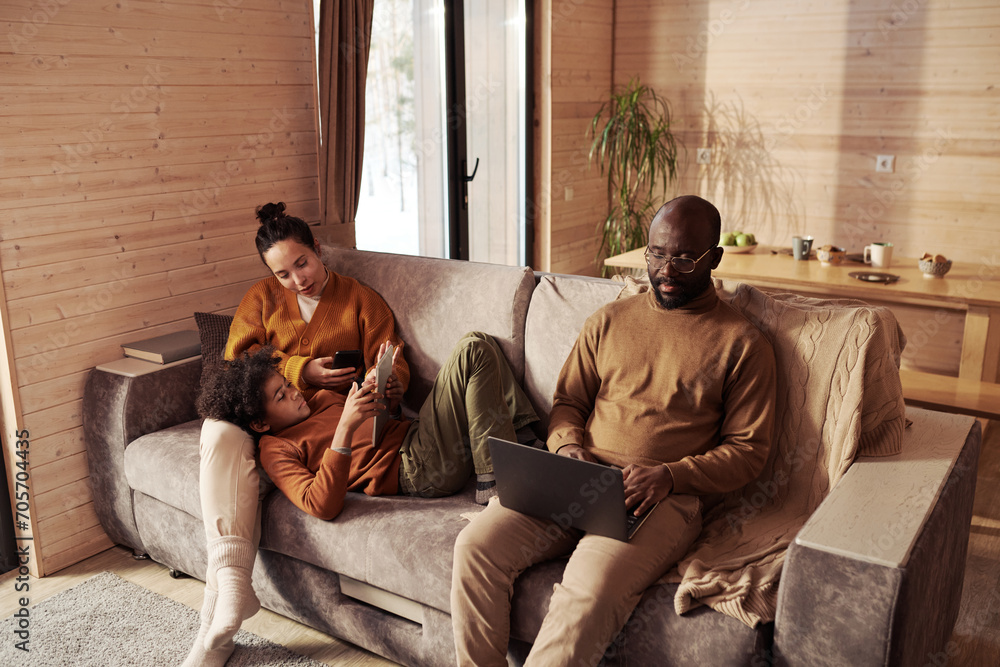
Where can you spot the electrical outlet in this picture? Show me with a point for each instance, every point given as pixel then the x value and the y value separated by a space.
pixel 885 164
pixel 568 194
pixel 704 156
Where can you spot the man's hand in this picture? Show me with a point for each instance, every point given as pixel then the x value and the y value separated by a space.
pixel 646 486
pixel 576 452
pixel 318 373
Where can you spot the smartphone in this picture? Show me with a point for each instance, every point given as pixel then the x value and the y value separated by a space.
pixel 351 359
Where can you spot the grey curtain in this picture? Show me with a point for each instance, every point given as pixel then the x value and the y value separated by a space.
pixel 344 35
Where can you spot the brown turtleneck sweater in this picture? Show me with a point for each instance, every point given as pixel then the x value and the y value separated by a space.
pixel 692 388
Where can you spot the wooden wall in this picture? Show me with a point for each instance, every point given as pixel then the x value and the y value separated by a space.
pixel 572 83
pixel 797 99
pixel 136 140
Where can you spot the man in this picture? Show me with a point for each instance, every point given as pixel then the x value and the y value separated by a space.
pixel 672 385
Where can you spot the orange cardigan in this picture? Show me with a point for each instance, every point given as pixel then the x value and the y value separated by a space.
pixel 349 316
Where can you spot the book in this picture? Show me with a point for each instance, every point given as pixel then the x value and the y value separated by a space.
pixel 165 349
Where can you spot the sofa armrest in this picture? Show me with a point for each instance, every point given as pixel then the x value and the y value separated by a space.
pixel 875 575
pixel 117 409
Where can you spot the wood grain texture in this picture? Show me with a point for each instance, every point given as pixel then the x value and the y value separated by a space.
pixel 797 100
pixel 579 82
pixel 137 139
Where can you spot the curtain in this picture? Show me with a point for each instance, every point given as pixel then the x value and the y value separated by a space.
pixel 344 36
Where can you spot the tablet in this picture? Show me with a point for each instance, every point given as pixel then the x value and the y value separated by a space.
pixel 383 369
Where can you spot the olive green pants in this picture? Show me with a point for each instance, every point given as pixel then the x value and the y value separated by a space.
pixel 474 396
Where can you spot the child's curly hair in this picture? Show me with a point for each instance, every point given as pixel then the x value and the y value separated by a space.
pixel 234 390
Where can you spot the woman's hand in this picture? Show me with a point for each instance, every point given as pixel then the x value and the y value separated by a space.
pixel 319 374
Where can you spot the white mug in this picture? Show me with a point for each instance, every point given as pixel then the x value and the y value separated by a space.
pixel 879 255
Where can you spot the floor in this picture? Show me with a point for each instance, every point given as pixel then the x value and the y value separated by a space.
pixel 156 577
pixel 975 641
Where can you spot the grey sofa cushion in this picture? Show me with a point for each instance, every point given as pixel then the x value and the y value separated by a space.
pixel 559 307
pixel 435 302
pixel 165 465
pixel 397 543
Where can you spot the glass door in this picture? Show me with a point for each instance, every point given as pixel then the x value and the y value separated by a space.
pixel 447 82
pixel 496 120
pixel 404 182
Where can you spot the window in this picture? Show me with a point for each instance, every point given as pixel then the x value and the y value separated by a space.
pixel 422 147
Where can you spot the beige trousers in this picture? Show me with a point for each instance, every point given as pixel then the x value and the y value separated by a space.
pixel 229 484
pixel 603 581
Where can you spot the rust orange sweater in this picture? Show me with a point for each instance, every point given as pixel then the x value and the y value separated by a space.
pixel 349 316
pixel 315 477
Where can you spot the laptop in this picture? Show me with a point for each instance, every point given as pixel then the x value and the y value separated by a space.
pixel 572 493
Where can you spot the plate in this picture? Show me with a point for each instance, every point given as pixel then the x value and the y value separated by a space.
pixel 738 248
pixel 874 276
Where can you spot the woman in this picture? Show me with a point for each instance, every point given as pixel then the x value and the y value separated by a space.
pixel 307 313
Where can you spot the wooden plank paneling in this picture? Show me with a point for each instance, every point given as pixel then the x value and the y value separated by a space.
pixel 797 100
pixel 580 82
pixel 136 139
pixel 822 88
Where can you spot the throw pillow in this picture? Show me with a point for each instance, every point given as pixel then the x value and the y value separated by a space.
pixel 633 286
pixel 213 329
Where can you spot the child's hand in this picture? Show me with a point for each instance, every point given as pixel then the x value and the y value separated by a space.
pixel 393 387
pixel 362 403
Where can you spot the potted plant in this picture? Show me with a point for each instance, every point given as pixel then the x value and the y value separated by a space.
pixel 637 149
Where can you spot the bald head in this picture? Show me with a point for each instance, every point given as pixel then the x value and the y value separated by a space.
pixel 695 214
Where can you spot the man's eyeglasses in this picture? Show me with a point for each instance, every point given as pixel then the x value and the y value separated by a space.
pixel 680 264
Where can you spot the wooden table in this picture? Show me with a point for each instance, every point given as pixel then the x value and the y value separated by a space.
pixel 974 288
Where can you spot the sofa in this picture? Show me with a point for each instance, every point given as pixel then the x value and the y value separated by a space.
pixel 873 576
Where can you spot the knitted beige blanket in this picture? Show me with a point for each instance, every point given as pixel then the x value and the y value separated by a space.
pixel 838 397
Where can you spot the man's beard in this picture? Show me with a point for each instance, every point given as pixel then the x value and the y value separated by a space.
pixel 687 294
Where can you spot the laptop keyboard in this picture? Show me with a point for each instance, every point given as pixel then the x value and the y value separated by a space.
pixel 632 521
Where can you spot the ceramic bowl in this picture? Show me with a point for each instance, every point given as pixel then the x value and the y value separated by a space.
pixel 934 269
pixel 831 255
pixel 738 248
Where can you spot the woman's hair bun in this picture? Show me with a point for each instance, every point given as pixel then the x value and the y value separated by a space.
pixel 271 211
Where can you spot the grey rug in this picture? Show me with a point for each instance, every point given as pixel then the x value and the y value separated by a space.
pixel 107 621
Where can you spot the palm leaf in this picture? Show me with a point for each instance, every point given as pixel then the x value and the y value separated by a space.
pixel 637 151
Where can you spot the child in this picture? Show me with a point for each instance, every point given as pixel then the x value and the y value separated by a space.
pixel 317 450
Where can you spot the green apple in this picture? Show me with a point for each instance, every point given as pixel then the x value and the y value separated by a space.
pixel 743 240
pixel 727 238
